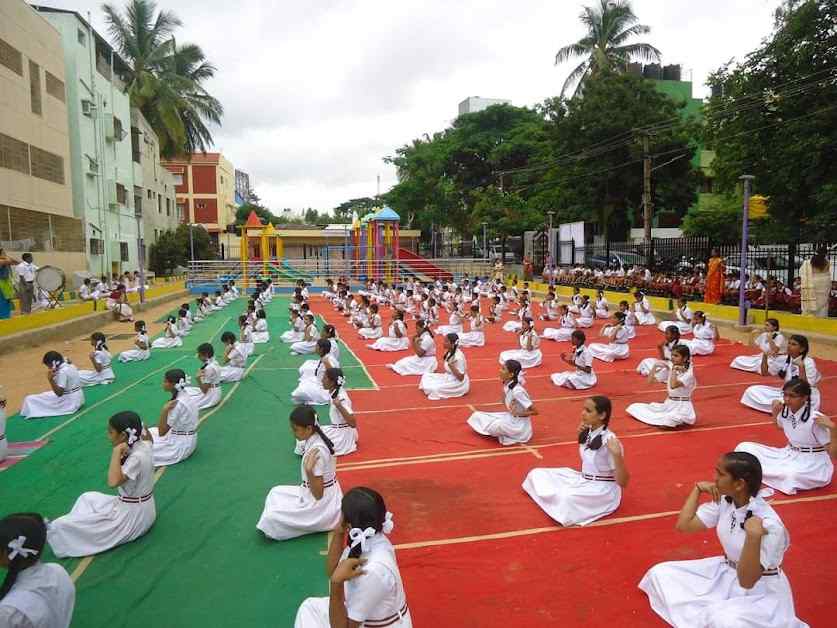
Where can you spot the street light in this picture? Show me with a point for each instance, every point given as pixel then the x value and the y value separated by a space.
pixel 549 236
pixel 484 240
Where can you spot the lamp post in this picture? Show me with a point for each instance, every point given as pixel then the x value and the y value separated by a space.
pixel 140 253
pixel 485 240
pixel 742 289
pixel 549 235
pixel 191 243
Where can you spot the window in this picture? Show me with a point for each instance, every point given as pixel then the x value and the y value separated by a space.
pixel 121 194
pixel 11 58
pixel 149 194
pixel 178 179
pixel 55 86
pixel 14 154
pixel 135 145
pixel 168 207
pixel 35 87
pixel 123 251
pixel 46 165
pixel 159 204
pixel 117 129
pixel 80 35
pixel 222 180
pixel 97 246
pixel 200 205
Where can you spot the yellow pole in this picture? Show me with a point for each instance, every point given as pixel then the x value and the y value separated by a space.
pixel 265 252
pixel 243 247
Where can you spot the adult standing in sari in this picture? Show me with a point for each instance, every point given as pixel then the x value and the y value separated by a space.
pixel 714 290
pixel 816 285
pixel 7 290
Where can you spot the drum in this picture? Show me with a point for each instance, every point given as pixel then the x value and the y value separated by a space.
pixel 50 278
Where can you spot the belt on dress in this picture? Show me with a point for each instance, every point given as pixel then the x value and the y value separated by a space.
pixel 808 450
pixel 680 398
pixel 135 500
pixel 765 572
pixel 72 390
pixel 340 425
pixel 330 482
pixel 184 433
pixel 598 478
pixel 387 621
pixel 2 436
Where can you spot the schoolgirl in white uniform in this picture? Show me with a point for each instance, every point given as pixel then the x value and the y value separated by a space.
pixel 142 344
pixel 234 359
pixel 515 424
pixel 99 522
pixel 773 346
pixel 476 336
pixel 307 368
pixel 529 355
pixel 805 462
pixel 314 504
pixel 586 314
pixel 261 335
pixel 66 396
pixel 208 391
pixel 366 586
pixel 683 322
pixel 565 331
pixel 246 336
pixel 297 331
pixel 170 337
pixel 524 311
pixel 183 325
pixel 602 306
pixel 396 339
pixel 360 316
pixel 745 586
pixel 671 340
pixel 575 302
pixel 100 358
pixel 495 310
pixel 454 382
pixel 642 309
pixel 374 327
pixel 343 428
pixel 310 335
pixel 33 594
pixel 454 325
pixel 549 308
pixel 617 348
pixel 677 409
pixel 704 335
pixel 176 436
pixel 311 389
pixel 578 498
pixel 797 364
pixel 629 321
pixel 424 360
pixel 582 376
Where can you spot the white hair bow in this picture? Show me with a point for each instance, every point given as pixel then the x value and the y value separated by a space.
pixel 359 537
pixel 389 524
pixel 99 344
pixel 183 383
pixel 341 380
pixel 17 548
pixel 56 364
pixel 132 435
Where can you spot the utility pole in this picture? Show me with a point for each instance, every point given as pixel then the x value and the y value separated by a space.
pixel 647 203
pixel 742 274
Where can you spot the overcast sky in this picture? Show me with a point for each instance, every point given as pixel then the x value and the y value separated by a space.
pixel 316 94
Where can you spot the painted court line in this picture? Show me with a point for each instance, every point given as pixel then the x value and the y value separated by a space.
pixel 359 361
pixel 599 523
pixel 108 398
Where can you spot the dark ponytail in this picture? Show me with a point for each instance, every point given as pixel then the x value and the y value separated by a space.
pixel 363 508
pixel 130 424
pixel 454 345
pixel 174 377
pixel 683 350
pixel 32 527
pixel 603 406
pixel 335 375
pixel 99 341
pixel 513 367
pixel 305 416
pixel 742 465
pixel 803 389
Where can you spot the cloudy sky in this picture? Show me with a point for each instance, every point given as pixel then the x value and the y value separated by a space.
pixel 317 93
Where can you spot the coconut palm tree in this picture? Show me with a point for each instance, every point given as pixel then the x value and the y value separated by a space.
pixel 165 81
pixel 609 26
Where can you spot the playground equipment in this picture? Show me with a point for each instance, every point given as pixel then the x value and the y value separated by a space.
pixel 376 238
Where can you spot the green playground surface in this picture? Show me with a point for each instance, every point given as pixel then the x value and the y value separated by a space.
pixel 203 563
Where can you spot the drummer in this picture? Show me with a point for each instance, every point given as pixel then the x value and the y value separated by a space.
pixel 25 272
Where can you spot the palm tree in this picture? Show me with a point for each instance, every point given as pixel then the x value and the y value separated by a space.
pixel 604 47
pixel 165 81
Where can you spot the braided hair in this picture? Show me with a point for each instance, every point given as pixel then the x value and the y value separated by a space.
pixel 99 341
pixel 603 406
pixel 305 416
pixel 743 465
pixel 685 353
pixel 329 331
pixel 29 526
pixel 423 328
pixel 802 341
pixel 674 330
pixel 129 423
pixel 803 389
pixel 454 345
pixel 514 367
pixel 363 508
pixel 175 377
pixel 140 327
pixel 336 375
pixel 53 359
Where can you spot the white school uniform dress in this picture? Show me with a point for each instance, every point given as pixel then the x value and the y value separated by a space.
pixel 86 293
pixel 233 370
pixel 706 592
pixel 676 410
pixel 343 436
pixel 578 498
pixel 415 365
pixel 617 349
pixel 4 443
pixel 446 385
pixel 137 354
pixel 683 322
pixel 292 511
pixel 761 397
pixel 752 363
pixel 578 379
pixel 310 390
pixel 528 359
pixel 260 334
pixel 246 341
pixel 475 337
pixel 549 311
pixel 296 334
pixel 211 376
pixel 631 322
pixel 376 598
pixel 575 304
pixel 517 324
pixel 602 308
pixel 585 316
pixel 563 333
pixel 803 464
pixel 454 325
pixel 99 522
pixel 506 427
pixel 303 346
pixel 391 342
pixel 644 316
pixel 703 341
pixel 169 339
pixel 181 440
pixel 48 404
pixel 375 328
pixel 102 357
pixel 43 596
pixel 646 365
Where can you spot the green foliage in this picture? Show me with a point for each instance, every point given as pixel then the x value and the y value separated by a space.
pixel 173 248
pixel 715 215
pixel 264 214
pixel 774 117
pixel 364 205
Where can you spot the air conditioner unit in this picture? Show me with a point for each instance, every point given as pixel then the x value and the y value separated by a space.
pixel 87 107
pixel 92 166
pixel 110 194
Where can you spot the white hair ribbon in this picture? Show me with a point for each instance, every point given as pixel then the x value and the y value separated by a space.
pixel 17 548
pixel 132 435
pixel 389 524
pixel 99 344
pixel 183 383
pixel 359 537
pixel 56 364
pixel 341 380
